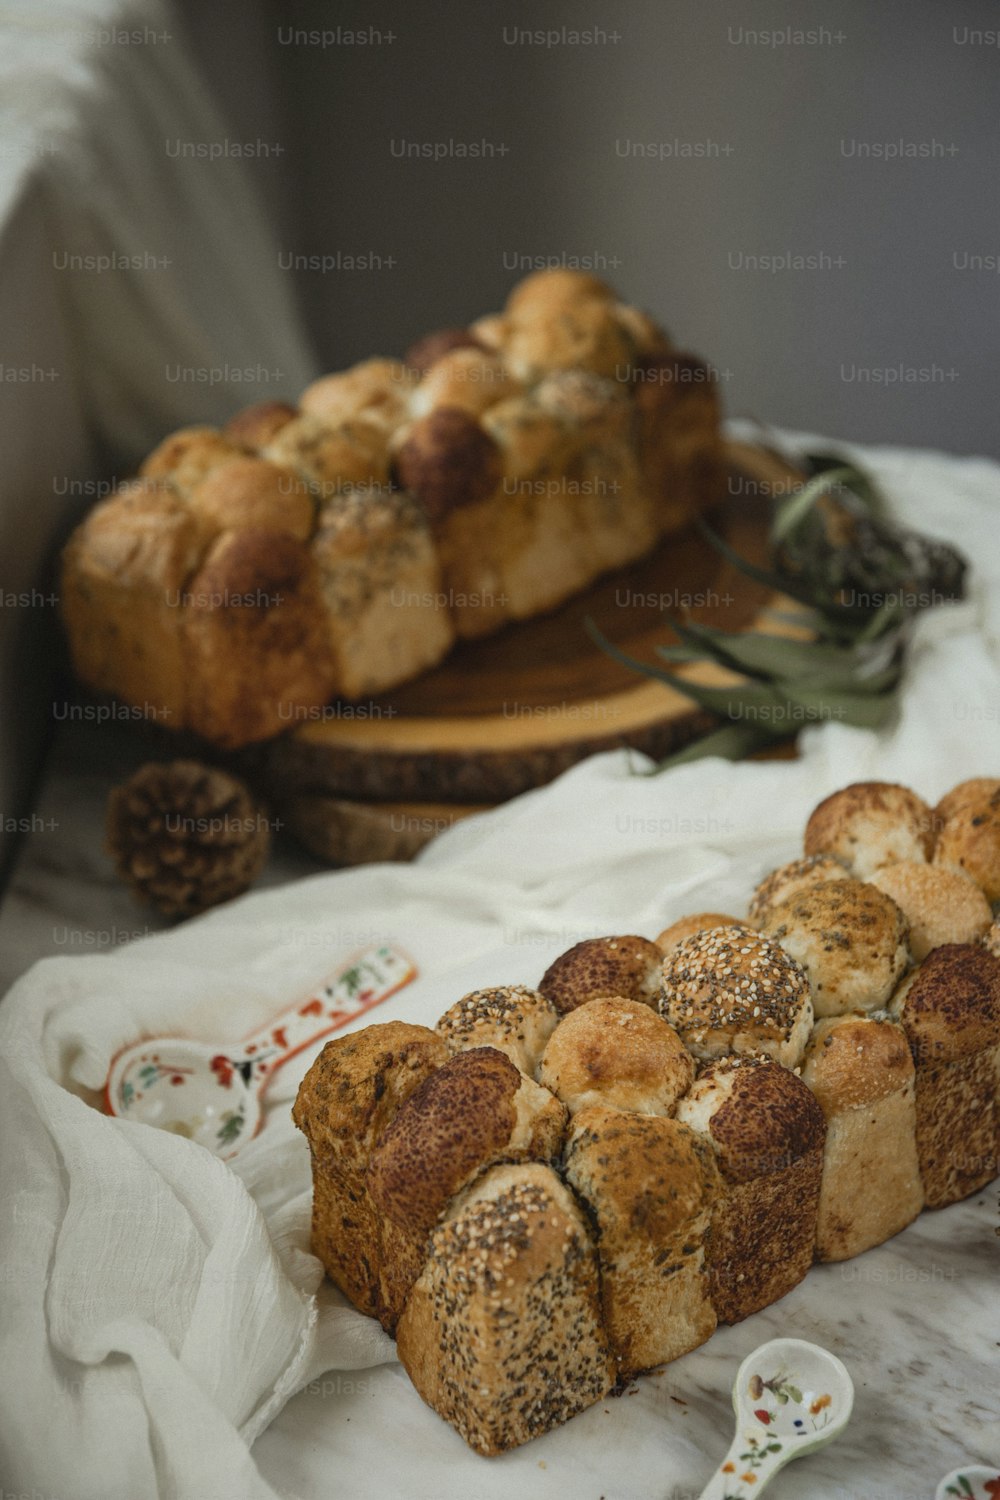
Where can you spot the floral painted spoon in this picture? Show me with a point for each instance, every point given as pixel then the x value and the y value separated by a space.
pixel 212 1092
pixel 970 1482
pixel 790 1398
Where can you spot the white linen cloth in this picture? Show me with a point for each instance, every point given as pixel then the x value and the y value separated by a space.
pixel 161 1307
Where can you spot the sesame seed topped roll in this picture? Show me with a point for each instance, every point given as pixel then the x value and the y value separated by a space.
pixel 510 1017
pixel 686 927
pixel 626 966
pixel 849 937
pixel 871 823
pixel 729 990
pixel 787 880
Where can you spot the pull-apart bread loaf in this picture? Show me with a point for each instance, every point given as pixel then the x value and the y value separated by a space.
pixel 559 1188
pixel 338 548
pixel 768 1133
pixel 860 1069
pixel 950 1011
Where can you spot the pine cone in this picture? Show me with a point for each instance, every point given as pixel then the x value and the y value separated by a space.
pixel 186 836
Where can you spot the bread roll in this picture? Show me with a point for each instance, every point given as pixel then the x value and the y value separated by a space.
pixel 768 1133
pixel 512 1018
pixel 352 455
pixel 619 1053
pixel 678 442
pixel 940 905
pixel 551 291
pixel 433 346
pixel 186 456
pixel 731 990
pixel 344 1103
pixel 377 390
pixel 502 1334
pixel 471 379
pixel 626 966
pixel 969 837
pixel 974 790
pixel 381 584
pixel 850 939
pixel 861 1072
pixel 253 428
pixel 788 880
pixel 474 1110
pixel 250 493
pixel 124 575
pixel 950 1011
pixel 869 824
pixel 647 337
pixel 584 336
pixel 649 1185
pixel 253 638
pixel 686 927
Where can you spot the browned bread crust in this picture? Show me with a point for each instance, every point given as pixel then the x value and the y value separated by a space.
pixel 649 1184
pixel 849 937
pixel 255 426
pixel 626 966
pixel 871 823
pixel 619 1053
pixel 503 1334
pixel 343 1106
pixel 447 461
pixel 788 880
pixel 474 1110
pixel 950 1011
pixel 768 1133
pixel 969 837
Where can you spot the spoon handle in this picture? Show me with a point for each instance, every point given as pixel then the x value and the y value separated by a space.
pixel 733 1479
pixel 363 982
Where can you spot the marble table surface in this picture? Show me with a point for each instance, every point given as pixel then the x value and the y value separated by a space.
pixel 917 1321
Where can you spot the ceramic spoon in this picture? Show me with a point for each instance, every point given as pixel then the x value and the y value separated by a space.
pixel 212 1092
pixel 790 1398
pixel 971 1482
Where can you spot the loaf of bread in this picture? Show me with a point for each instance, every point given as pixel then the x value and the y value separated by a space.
pixel 340 548
pixel 860 1069
pixel 560 1188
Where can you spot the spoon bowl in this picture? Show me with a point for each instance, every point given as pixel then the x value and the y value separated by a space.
pixel 211 1092
pixel 790 1398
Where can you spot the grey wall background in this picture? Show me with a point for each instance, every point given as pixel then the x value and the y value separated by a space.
pixel 784 125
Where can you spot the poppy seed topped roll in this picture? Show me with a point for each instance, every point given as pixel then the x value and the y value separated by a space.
pixel 871 823
pixel 730 990
pixel 626 966
pixel 849 937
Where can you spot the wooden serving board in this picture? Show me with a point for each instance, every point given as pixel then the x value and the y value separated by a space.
pixel 512 711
